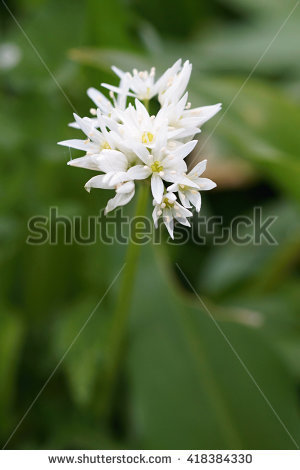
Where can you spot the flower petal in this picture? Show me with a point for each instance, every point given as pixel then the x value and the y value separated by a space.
pixel 138 172
pixel 203 113
pixel 182 210
pixel 141 110
pixel 155 216
pixel 97 97
pixel 91 162
pixel 125 188
pixel 171 197
pixel 87 126
pixel 198 169
pixel 112 160
pixel 141 151
pixel 205 184
pixel 195 198
pixel 115 89
pixel 78 144
pixel 182 220
pixel 170 163
pixel 169 73
pixel 118 200
pixel 118 178
pixel 184 199
pixel 74 124
pixel 169 221
pixel 188 131
pixel 157 187
pixel 118 71
pixel 173 187
pixel 97 182
pixel 183 179
pixel 185 149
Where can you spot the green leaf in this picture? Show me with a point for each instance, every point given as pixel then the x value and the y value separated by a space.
pixel 188 388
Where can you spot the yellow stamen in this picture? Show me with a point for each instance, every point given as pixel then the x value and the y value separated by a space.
pixel 147 137
pixel 167 203
pixel 105 145
pixel 156 167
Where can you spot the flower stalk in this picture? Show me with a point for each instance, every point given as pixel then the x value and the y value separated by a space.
pixel 121 313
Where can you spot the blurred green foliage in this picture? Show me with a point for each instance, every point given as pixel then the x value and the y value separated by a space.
pixel 180 384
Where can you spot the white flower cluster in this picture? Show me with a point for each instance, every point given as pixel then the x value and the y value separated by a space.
pixel 125 143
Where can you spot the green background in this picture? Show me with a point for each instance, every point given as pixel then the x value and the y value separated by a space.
pixel 180 385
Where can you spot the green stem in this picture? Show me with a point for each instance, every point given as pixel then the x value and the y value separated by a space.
pixel 122 310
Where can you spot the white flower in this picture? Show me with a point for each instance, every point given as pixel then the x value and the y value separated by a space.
pixel 142 84
pixel 190 193
pixel 124 190
pixel 176 85
pixel 104 105
pixel 111 162
pixel 137 126
pixel 124 194
pixel 161 166
pixel 169 209
pixel 124 143
pixel 96 141
pixel 180 116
